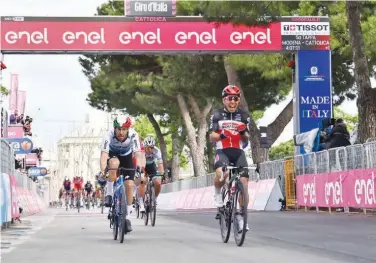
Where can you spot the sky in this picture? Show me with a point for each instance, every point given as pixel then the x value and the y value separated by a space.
pixel 53 83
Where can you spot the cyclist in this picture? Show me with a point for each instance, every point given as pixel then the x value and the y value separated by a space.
pixel 88 189
pixel 118 148
pixel 229 129
pixel 152 154
pixel 78 183
pixel 67 186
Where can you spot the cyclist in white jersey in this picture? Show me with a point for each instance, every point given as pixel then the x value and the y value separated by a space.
pixel 117 150
pixel 153 155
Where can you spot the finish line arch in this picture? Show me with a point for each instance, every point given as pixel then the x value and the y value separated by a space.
pixel 307 37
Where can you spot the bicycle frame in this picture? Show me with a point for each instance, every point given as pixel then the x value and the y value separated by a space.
pixel 118 184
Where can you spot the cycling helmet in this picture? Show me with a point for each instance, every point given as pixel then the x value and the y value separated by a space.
pixel 230 90
pixel 66 178
pixel 149 141
pixel 123 122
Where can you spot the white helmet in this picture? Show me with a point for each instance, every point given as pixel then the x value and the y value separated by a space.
pixel 149 142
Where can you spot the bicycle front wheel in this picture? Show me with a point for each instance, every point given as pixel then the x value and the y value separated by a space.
pixel 225 216
pixel 146 206
pixel 123 213
pixel 239 214
pixel 102 202
pixel 152 206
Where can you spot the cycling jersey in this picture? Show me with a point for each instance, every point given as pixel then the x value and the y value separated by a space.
pixel 67 185
pixel 77 180
pixel 88 187
pixel 222 119
pixel 129 145
pixel 155 155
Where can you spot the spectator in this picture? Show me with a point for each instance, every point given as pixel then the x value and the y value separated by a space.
pixel 13 117
pixel 339 135
pixel 20 119
pixel 27 126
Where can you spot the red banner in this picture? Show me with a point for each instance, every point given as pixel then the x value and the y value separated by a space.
pixel 181 34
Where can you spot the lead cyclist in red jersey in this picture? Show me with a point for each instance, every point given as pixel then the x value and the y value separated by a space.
pixel 229 129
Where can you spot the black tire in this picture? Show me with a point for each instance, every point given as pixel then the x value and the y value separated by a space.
pixel 123 207
pixel 146 206
pixel 152 206
pixel 102 203
pixel 137 210
pixel 225 217
pixel 239 237
pixel 115 226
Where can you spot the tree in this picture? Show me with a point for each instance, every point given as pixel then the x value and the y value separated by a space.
pixel 4 91
pixel 282 150
pixel 145 128
pixel 366 101
pixel 350 120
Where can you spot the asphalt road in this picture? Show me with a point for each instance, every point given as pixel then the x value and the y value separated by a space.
pixel 63 236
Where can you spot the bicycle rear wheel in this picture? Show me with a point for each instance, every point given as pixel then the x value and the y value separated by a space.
pixel 225 216
pixel 239 214
pixel 123 213
pixel 152 205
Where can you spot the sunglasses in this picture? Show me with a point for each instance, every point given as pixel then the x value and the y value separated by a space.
pixel 234 98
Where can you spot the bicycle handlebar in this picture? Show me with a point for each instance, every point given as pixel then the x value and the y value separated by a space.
pixel 229 167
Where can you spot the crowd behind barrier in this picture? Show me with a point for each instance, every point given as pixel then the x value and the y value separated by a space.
pixel 16 190
pixel 341 177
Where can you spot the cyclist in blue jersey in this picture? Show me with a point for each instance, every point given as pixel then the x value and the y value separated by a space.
pixel 118 148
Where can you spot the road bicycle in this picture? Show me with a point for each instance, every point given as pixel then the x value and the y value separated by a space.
pixel 235 206
pixel 118 211
pixel 136 204
pixel 150 202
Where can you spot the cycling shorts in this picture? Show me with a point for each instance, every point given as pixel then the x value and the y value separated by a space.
pixel 67 188
pixel 78 186
pixel 89 190
pixel 125 162
pixel 231 155
pixel 151 169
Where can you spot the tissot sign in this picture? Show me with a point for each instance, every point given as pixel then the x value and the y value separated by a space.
pixel 150 8
pixel 169 35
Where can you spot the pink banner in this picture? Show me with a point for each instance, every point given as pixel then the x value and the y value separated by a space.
pixel 15 131
pixel 14 198
pixel 354 188
pixel 21 99
pixel 13 93
pixel 31 159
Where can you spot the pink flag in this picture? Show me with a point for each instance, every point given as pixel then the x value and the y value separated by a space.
pixel 21 99
pixel 13 93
